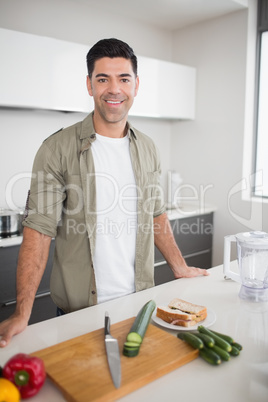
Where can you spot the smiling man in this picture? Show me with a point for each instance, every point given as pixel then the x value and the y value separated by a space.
pixel 95 188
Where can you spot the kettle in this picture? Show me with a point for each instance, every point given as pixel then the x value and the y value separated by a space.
pixel 252 257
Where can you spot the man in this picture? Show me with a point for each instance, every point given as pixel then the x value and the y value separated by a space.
pixel 95 188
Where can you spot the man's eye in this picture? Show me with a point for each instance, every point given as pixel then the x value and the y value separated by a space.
pixel 102 80
pixel 125 80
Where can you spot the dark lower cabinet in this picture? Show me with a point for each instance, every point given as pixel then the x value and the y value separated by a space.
pixel 194 237
pixel 43 307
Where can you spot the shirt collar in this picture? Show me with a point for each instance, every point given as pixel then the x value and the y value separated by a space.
pixel 88 130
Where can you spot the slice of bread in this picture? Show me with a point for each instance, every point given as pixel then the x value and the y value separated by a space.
pixel 187 307
pixel 182 313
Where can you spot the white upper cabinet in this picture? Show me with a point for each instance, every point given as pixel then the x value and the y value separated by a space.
pixel 46 73
pixel 167 90
pixel 41 72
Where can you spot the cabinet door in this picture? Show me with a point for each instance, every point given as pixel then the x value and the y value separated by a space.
pixel 46 65
pixel 178 90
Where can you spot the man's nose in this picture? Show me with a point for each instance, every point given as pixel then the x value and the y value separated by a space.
pixel 114 87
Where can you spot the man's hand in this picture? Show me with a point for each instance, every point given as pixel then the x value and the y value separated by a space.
pixel 10 327
pixel 184 271
pixel 165 242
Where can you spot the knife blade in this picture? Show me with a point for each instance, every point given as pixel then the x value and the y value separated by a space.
pixel 112 352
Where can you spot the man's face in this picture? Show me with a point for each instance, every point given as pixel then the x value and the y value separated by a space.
pixel 113 86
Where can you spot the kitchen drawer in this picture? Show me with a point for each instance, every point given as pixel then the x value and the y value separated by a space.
pixel 43 309
pixel 8 269
pixel 192 234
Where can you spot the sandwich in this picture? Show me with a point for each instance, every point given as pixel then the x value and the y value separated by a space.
pixel 182 313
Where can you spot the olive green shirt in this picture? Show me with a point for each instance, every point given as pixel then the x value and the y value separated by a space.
pixel 62 204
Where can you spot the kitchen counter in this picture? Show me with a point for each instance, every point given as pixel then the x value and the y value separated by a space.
pixel 187 210
pixel 243 378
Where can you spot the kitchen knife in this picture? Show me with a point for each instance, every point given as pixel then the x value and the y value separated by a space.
pixel 112 351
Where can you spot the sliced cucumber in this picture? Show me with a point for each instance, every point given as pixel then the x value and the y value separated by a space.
pixel 138 329
pixel 131 352
pixel 134 337
pixel 131 344
pixel 191 339
pixel 218 340
pixel 210 356
pixel 141 322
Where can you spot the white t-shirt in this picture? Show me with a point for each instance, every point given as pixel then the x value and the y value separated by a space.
pixel 114 257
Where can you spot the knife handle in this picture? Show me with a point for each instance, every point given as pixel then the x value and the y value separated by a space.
pixel 107 324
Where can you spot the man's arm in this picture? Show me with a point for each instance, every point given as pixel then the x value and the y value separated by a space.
pixel 165 242
pixel 32 262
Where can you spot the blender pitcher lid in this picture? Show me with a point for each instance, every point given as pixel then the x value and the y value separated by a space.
pixel 256 239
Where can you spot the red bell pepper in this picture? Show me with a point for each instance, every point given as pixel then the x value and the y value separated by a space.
pixel 26 372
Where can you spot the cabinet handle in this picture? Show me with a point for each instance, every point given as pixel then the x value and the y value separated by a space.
pixel 10 303
pixel 38 296
pixel 158 264
pixel 197 253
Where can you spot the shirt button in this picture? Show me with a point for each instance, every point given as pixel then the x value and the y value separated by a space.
pixel 93 136
pixel 93 292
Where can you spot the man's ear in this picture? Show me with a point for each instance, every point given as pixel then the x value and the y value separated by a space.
pixel 137 85
pixel 89 88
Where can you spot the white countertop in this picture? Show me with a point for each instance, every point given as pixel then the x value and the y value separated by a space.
pixel 189 210
pixel 243 378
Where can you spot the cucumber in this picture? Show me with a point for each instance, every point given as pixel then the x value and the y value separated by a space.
pixel 227 338
pixel 138 330
pixel 140 325
pixel 191 339
pixel 237 346
pixel 130 352
pixel 218 340
pixel 207 340
pixel 234 351
pixel 131 344
pixel 222 353
pixel 134 337
pixel 210 356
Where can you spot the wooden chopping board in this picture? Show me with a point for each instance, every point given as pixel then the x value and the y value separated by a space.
pixel 80 369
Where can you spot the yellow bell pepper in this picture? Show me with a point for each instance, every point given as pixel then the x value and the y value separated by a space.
pixel 8 391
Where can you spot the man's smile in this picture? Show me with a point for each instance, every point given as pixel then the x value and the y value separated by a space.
pixel 113 102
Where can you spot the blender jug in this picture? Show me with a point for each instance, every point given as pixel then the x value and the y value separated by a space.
pixel 252 257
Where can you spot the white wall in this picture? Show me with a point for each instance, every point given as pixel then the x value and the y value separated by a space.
pixel 23 131
pixel 209 151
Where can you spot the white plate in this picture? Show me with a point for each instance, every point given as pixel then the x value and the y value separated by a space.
pixel 211 318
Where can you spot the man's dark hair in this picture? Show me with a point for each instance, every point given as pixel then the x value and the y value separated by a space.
pixel 110 48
